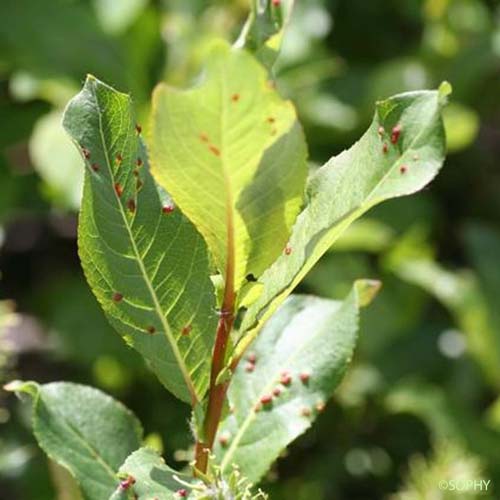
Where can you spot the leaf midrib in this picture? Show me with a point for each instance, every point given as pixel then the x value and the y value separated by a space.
pixel 157 306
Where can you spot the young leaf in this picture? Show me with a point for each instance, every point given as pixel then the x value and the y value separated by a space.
pixel 145 262
pixel 85 431
pixel 401 152
pixel 264 30
pixel 152 478
pixel 292 370
pixel 232 154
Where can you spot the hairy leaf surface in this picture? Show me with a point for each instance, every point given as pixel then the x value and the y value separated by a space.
pixel 153 478
pixel 232 155
pixel 85 431
pixel 386 162
pixel 144 261
pixel 290 373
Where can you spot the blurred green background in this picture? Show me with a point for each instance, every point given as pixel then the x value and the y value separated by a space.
pixel 421 401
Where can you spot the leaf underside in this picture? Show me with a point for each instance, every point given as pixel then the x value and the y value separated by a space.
pixel 311 341
pixel 144 261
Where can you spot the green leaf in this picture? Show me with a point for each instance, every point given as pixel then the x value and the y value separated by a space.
pixel 153 478
pixel 309 339
pixel 232 154
pixel 146 264
pixel 84 430
pixel 352 183
pixel 264 30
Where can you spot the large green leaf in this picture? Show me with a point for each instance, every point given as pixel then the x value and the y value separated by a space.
pixel 152 478
pixel 383 164
pixel 145 262
pixel 311 342
pixel 232 154
pixel 85 431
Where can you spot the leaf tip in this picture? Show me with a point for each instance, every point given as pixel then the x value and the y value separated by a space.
pixel 19 386
pixel 444 91
pixel 367 290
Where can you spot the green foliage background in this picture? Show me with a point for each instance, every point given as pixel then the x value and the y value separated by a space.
pixel 421 400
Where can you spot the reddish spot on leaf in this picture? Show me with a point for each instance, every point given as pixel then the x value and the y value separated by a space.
pixel 403 169
pixel 127 483
pixel 182 493
pixel 131 205
pixel 186 330
pixel 235 97
pixel 305 411
pixel 266 399
pixel 215 150
pixel 224 440
pixel 288 250
pixel 151 329
pixel 138 129
pixel 139 162
pixel 276 3
pixel 95 167
pixel 385 148
pixel 118 189
pixel 285 378
pixel 249 367
pixel 304 377
pixel 168 209
pixel 119 159
pixel 381 131
pixel 252 358
pixel 276 391
pixel 271 119
pixel 203 137
pixel 135 172
pixel 396 132
pixel 320 406
pixel 86 153
pixel 117 297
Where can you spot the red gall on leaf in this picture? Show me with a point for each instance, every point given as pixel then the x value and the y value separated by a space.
pixel 286 378
pixel 186 330
pixel 117 297
pixel 276 3
pixel 304 377
pixel 119 159
pixel 403 169
pixel 139 162
pixel 249 367
pixel 95 167
pixel 252 358
pixel 276 391
pixel 138 129
pixel 320 406
pixel 224 439
pixel 127 483
pixel 271 119
pixel 235 97
pixel 131 205
pixel 396 132
pixel 86 153
pixel 151 329
pixel 182 493
pixel 118 189
pixel 167 209
pixel 266 399
pixel 385 148
pixel 288 250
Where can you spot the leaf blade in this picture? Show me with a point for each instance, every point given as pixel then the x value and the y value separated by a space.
pixel 85 431
pixel 350 184
pixel 237 166
pixel 305 369
pixel 146 264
